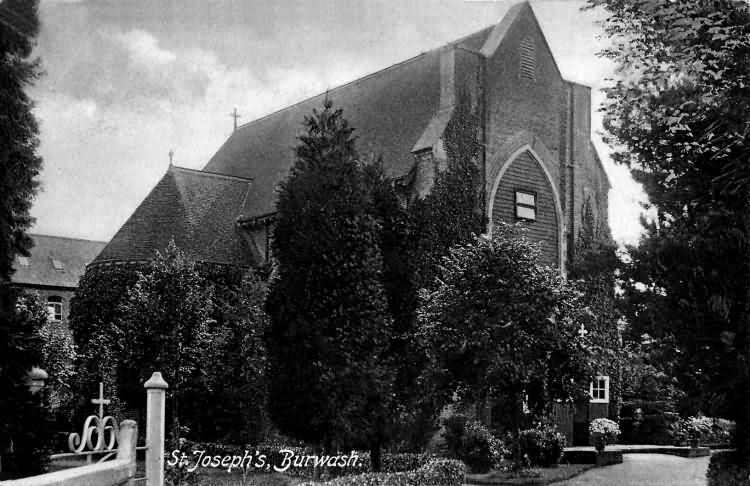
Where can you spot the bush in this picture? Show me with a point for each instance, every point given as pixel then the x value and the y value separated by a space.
pixel 708 430
pixel 542 446
pixel 438 472
pixel 647 422
pixel 724 471
pixel 606 427
pixel 472 442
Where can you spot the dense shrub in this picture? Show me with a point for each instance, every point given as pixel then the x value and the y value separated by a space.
pixel 542 446
pixel 647 422
pixel 472 442
pixel 708 430
pixel 724 471
pixel 606 427
pixel 438 472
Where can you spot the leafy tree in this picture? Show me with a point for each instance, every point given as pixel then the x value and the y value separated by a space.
pixel 95 311
pixel 237 381
pixel 501 326
pixel 593 270
pixel 329 379
pixel 58 357
pixel 200 324
pixel 25 435
pixel 165 327
pixel 20 413
pixel 677 115
pixel 414 240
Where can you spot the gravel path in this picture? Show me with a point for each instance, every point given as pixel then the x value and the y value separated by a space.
pixel 646 470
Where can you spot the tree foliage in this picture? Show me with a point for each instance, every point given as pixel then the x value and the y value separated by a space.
pixel 165 326
pixel 453 211
pixel 678 116
pixel 501 326
pixel 330 381
pixel 200 325
pixel 19 162
pixel 500 323
pixel 237 380
pixel 25 432
pixel 95 311
pixel 21 414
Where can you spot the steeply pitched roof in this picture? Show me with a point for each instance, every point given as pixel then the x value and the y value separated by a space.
pixel 389 109
pixel 195 208
pixel 56 261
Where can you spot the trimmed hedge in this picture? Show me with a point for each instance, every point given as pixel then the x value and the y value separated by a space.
pixel 724 471
pixel 438 472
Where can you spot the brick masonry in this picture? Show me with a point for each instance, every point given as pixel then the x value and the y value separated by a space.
pixel 552 117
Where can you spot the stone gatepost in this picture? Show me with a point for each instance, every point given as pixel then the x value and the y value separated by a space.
pixel 155 418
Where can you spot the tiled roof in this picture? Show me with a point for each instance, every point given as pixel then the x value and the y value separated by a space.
pixel 56 261
pixel 389 110
pixel 195 208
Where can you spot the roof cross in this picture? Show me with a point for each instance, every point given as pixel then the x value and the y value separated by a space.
pixel 235 115
pixel 101 401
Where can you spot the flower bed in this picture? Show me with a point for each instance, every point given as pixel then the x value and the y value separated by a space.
pixel 437 472
pixel 390 462
pixel 704 430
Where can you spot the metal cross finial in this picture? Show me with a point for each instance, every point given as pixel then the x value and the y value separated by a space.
pixel 235 115
pixel 171 155
pixel 100 401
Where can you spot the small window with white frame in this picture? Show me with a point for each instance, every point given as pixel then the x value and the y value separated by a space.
pixel 525 205
pixel 600 390
pixel 54 307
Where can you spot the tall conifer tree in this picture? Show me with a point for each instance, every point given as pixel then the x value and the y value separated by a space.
pixel 21 423
pixel 330 327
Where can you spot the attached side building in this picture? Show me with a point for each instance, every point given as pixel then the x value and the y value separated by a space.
pixel 53 270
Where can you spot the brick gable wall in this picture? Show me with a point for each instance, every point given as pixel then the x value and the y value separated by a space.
pixel 528 103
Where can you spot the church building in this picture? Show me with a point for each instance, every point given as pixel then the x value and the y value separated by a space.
pixel 537 162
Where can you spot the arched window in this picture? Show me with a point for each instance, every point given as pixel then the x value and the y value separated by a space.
pixel 55 307
pixel 527 51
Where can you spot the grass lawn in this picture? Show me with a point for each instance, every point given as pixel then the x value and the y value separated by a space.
pixel 529 477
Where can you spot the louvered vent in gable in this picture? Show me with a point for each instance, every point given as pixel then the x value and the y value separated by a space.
pixel 528 59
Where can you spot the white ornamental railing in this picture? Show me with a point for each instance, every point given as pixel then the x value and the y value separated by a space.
pixel 102 435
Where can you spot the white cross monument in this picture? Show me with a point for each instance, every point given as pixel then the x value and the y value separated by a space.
pixel 100 401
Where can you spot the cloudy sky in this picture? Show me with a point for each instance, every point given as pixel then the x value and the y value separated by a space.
pixel 129 80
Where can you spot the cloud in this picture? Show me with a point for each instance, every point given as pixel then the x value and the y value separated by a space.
pixel 143 48
pixel 153 76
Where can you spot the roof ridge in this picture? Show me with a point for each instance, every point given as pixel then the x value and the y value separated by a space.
pixel 34 235
pixel 349 83
pixel 211 174
pixel 367 76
